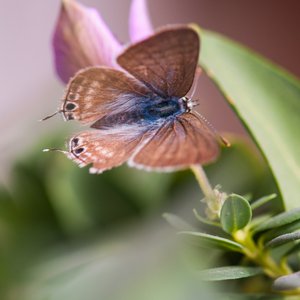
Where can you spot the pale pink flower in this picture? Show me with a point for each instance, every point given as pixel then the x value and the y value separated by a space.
pixel 81 37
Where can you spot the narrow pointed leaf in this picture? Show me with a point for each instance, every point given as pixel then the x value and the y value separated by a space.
pixel 235 213
pixel 283 239
pixel 140 25
pixel 204 220
pixel 294 250
pixel 280 220
pixel 288 228
pixel 288 282
pixel 256 221
pixel 211 241
pixel 81 39
pixel 229 273
pixel 266 98
pixel 263 200
pixel 177 222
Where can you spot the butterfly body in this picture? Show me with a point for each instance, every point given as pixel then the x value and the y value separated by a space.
pixel 141 115
pixel 162 108
pixel 148 110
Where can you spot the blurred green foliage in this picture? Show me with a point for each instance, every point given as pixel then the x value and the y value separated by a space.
pixel 51 202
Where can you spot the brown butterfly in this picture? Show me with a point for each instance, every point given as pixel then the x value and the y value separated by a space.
pixel 141 115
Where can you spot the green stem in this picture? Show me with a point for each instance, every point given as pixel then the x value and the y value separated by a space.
pixel 213 198
pixel 260 256
pixel 203 181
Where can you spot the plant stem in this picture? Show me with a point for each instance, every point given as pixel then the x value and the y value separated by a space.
pixel 213 198
pixel 259 255
pixel 203 181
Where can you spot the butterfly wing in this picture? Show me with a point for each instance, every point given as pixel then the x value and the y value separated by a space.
pixel 97 91
pixel 165 62
pixel 178 144
pixel 103 150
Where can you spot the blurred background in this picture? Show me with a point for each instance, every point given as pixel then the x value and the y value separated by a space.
pixel 62 228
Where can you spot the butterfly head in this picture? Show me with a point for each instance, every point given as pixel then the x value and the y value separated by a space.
pixel 187 103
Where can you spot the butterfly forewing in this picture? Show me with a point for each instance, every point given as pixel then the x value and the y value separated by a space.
pixel 97 91
pixel 165 62
pixel 178 144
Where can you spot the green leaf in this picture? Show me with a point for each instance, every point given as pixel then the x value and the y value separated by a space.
pixel 266 98
pixel 280 220
pixel 294 249
pixel 263 200
pixel 211 241
pixel 235 213
pixel 229 273
pixel 288 228
pixel 92 271
pixel 287 282
pixel 204 220
pixel 283 239
pixel 257 220
pixel 177 222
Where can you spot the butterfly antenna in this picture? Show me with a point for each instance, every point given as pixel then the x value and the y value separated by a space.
pixel 50 116
pixel 195 104
pixel 56 150
pixel 225 142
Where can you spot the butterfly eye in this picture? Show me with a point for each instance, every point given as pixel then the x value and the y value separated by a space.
pixel 70 106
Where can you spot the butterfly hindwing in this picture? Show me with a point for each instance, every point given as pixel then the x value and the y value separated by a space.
pixel 178 144
pixel 165 62
pixel 102 150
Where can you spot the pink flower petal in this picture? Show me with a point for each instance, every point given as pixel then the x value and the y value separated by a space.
pixel 81 39
pixel 140 25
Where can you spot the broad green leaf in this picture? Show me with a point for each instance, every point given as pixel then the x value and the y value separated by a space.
pixel 248 197
pixel 235 213
pixel 283 239
pixel 230 272
pixel 287 282
pixel 266 98
pixel 212 241
pixel 263 200
pixel 280 220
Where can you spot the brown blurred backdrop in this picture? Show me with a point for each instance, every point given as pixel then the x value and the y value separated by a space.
pixel 30 89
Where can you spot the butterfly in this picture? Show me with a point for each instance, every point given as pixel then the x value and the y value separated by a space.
pixel 141 114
